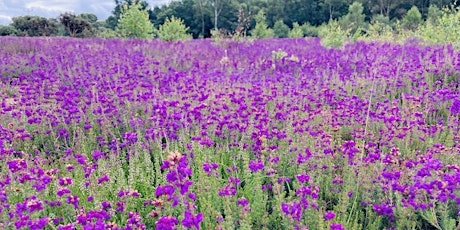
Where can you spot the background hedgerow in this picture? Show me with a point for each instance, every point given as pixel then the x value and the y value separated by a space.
pixel 272 134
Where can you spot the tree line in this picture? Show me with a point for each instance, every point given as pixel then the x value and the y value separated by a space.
pixel 201 17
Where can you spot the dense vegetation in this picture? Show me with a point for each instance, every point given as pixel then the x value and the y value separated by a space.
pixel 271 134
pixel 204 16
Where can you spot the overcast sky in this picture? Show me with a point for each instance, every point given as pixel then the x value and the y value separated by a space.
pixel 52 8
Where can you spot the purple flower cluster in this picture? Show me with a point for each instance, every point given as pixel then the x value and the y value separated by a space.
pixel 178 192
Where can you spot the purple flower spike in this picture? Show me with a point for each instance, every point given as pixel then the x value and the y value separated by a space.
pixel 455 108
pixel 191 220
pixel 166 223
pixel 103 179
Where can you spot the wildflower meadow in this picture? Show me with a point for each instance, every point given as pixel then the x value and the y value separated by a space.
pixel 268 134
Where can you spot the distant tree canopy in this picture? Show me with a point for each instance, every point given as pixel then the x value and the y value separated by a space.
pixel 34 26
pixel 78 26
pixel 202 16
pixel 280 17
pixel 8 31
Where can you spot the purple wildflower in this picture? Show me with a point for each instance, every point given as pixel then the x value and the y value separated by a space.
pixel 166 223
pixel 255 166
pixel 191 220
pixel 455 108
pixel 102 179
pixel 335 226
pixel 329 215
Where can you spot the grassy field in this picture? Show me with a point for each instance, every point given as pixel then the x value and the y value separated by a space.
pixel 273 134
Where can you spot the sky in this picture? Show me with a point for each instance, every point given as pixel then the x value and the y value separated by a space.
pixel 52 8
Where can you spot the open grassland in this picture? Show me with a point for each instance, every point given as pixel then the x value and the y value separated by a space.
pixel 274 134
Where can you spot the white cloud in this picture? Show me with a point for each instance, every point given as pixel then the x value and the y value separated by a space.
pixel 4 19
pixel 57 6
pixel 52 8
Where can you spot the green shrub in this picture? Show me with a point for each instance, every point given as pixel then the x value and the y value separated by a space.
pixel 309 30
pixel 413 19
pixel 332 34
pixel 434 13
pixel 134 22
pixel 261 29
pixel 173 29
pixel 446 30
pixel 8 31
pixel 381 19
pixel 280 29
pixel 378 31
pixel 355 19
pixel 296 31
pixel 106 33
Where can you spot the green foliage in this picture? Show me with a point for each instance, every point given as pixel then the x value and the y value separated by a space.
pixel 112 21
pixel 354 20
pixel 76 26
pixel 280 54
pixel 261 29
pixel 309 30
pixel 332 34
pixel 134 22
pixel 296 31
pixel 223 36
pixel 106 33
pixel 434 13
pixel 381 19
pixel 8 31
pixel 280 29
pixel 413 19
pixel 89 17
pixel 35 26
pixel 173 29
pixel 201 16
pixel 378 31
pixel 446 29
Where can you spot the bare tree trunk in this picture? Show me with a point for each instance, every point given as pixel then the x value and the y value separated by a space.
pixel 388 8
pixel 215 18
pixel 330 12
pixel 217 5
pixel 200 2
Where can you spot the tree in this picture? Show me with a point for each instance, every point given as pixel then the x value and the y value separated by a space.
pixel 384 7
pixel 310 30
pixel 8 31
pixel 134 22
pixel 173 29
pixel 261 29
pixel 201 7
pixel 355 18
pixel 35 26
pixel 275 11
pixel 434 13
pixel 280 29
pixel 76 26
pixel 412 19
pixel 335 8
pixel 89 17
pixel 187 11
pixel 381 19
pixel 217 6
pixel 296 31
pixel 112 21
